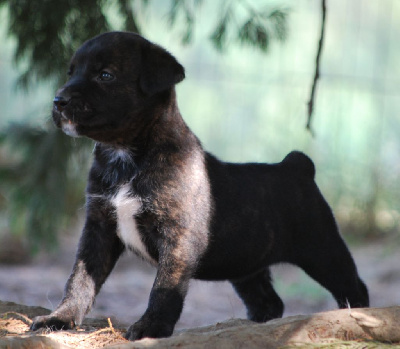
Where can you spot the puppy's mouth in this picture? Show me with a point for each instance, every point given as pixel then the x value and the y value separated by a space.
pixel 76 122
pixel 69 127
pixel 69 119
pixel 74 126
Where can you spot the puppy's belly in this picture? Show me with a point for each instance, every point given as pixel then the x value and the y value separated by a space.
pixel 127 206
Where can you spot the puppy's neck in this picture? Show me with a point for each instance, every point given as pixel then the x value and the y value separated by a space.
pixel 171 131
pixel 159 126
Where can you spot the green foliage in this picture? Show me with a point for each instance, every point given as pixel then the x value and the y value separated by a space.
pixel 219 35
pixel 48 33
pixel 257 29
pixel 185 10
pixel 259 26
pixel 39 181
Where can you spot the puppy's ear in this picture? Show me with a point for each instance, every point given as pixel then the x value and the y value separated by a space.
pixel 159 70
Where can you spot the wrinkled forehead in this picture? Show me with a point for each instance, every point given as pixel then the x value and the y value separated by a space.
pixel 110 49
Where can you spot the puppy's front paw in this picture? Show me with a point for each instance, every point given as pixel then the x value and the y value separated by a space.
pixel 147 328
pixel 52 322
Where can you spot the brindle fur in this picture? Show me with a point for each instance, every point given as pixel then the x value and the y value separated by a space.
pixel 199 217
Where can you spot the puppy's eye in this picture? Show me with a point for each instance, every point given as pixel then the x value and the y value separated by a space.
pixel 106 76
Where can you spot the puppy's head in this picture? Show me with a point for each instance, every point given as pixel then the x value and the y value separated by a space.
pixel 114 81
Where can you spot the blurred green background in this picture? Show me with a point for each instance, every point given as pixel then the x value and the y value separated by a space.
pixel 245 101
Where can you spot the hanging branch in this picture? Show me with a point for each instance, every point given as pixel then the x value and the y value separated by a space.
pixel 317 63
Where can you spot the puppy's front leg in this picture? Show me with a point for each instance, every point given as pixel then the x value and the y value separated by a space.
pixel 99 249
pixel 176 265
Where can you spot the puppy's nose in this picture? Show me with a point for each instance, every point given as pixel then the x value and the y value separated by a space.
pixel 60 102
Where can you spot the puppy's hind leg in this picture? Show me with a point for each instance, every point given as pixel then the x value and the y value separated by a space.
pixel 260 298
pixel 333 267
pixel 322 254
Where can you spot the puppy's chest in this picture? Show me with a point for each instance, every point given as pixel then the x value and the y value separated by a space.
pixel 127 206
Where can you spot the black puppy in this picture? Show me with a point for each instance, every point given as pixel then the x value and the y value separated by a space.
pixel 154 190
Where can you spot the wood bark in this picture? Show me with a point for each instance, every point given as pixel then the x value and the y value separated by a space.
pixel 377 324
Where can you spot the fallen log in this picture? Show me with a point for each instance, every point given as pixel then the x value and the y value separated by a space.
pixel 369 324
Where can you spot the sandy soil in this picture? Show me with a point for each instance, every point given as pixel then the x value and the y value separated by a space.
pixel 125 294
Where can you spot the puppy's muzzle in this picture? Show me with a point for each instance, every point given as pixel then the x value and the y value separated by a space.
pixel 71 105
pixel 64 98
pixel 60 103
pixel 65 108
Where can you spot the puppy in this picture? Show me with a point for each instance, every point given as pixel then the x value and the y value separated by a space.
pixel 153 189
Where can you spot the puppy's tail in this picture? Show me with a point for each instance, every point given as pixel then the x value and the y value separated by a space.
pixel 299 162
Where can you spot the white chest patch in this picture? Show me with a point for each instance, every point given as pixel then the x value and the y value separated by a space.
pixel 127 206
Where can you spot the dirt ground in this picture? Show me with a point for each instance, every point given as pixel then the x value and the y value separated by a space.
pixel 125 294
